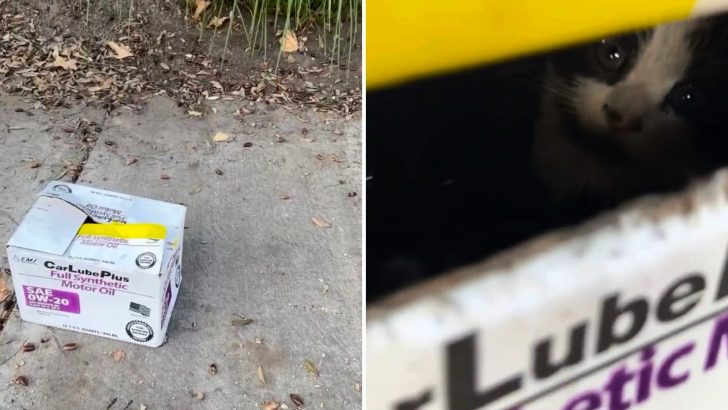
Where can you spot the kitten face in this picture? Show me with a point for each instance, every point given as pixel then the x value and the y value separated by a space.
pixel 654 96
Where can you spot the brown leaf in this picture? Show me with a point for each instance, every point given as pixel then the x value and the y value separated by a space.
pixel 104 86
pixel 270 405
pixel 310 368
pixel 121 51
pixel 4 290
pixel 248 144
pixel 289 42
pixel 241 322
pixel 216 22
pixel 27 347
pixel 118 355
pixel 320 223
pixel 70 346
pixel 296 399
pixel 21 380
pixel 200 6
pixel 261 375
pixel 35 163
pixel 164 176
pixel 220 137
pixel 65 63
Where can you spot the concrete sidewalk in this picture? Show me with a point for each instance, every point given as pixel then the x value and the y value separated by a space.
pixel 251 249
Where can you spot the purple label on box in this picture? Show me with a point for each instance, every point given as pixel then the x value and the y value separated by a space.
pixel 51 299
pixel 167 299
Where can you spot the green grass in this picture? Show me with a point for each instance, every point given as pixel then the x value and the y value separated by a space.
pixel 336 23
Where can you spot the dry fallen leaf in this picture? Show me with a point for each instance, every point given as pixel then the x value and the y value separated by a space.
pixel 310 368
pixel 120 50
pixel 198 395
pixel 320 223
pixel 4 291
pixel 200 5
pixel 104 86
pixel 194 113
pixel 289 42
pixel 296 399
pixel 220 137
pixel 21 380
pixel 270 405
pixel 212 370
pixel 118 355
pixel 216 22
pixel 164 66
pixel 261 375
pixel 241 322
pixel 66 63
pixel 70 346
pixel 35 163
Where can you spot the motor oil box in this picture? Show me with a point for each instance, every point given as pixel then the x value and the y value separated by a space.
pixel 98 262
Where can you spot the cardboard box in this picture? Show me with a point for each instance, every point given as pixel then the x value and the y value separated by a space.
pixel 98 262
pixel 627 312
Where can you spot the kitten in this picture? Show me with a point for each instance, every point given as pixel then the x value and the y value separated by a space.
pixel 639 112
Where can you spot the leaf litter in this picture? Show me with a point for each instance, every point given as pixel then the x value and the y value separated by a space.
pixel 133 61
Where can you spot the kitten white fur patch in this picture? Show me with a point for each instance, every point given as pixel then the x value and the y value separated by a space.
pixel 589 98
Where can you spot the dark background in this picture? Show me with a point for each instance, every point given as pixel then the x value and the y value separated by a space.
pixel 448 174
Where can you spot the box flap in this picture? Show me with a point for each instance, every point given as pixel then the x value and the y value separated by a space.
pixel 50 226
pixel 93 225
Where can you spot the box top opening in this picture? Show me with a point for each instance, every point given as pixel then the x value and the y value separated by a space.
pixel 101 227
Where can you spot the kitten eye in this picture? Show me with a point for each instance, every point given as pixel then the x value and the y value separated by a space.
pixel 610 54
pixel 685 98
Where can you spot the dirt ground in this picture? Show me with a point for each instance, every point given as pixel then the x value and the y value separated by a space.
pixel 117 53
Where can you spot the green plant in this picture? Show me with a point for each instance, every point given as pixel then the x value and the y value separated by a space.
pixel 337 22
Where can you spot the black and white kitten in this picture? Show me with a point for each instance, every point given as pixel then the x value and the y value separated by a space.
pixel 635 113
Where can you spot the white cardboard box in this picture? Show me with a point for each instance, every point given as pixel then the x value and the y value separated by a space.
pixel 98 262
pixel 627 312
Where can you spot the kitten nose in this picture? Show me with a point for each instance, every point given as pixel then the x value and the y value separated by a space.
pixel 625 107
pixel 621 121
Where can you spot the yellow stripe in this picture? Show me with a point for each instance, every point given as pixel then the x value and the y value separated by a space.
pixel 124 231
pixel 410 39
